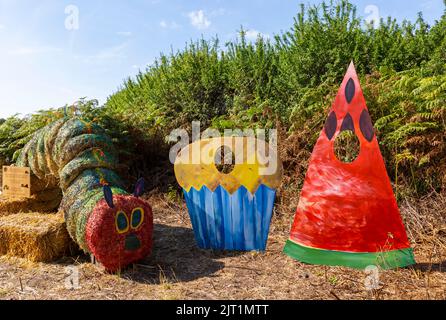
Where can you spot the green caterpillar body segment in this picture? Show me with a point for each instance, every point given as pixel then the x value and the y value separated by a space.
pixel 78 157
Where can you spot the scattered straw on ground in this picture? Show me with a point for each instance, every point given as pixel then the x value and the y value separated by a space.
pixel 34 236
pixel 179 270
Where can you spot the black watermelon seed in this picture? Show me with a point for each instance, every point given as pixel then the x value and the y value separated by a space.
pixel 365 123
pixel 347 124
pixel 330 125
pixel 350 90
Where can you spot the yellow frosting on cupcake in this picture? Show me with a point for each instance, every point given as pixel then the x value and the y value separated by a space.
pixel 195 165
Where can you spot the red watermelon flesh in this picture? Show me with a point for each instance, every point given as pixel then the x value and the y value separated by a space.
pixel 348 207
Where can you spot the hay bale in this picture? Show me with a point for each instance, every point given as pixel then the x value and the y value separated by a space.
pixel 44 202
pixel 12 206
pixel 34 236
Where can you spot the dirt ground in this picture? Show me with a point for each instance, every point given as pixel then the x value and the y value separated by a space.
pixel 179 270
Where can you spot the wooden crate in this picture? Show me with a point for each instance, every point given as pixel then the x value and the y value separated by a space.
pixel 16 182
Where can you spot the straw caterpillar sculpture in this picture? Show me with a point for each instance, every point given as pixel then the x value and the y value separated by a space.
pixel 101 217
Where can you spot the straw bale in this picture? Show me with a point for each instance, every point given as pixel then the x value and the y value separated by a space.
pixel 34 236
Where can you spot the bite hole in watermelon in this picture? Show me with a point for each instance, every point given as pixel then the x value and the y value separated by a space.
pixel 347 146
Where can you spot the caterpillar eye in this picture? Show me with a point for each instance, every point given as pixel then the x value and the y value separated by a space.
pixel 122 222
pixel 137 218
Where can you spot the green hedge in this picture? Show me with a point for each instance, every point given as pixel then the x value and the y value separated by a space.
pixel 289 81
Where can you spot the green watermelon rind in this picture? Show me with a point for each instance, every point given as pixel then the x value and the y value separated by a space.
pixel 357 260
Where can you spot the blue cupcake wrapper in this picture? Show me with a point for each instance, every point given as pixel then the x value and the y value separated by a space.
pixel 222 221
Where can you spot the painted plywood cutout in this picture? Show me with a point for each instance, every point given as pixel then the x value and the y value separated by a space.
pixel 229 211
pixel 16 182
pixel 347 214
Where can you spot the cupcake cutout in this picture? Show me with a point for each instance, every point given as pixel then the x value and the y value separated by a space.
pixel 230 202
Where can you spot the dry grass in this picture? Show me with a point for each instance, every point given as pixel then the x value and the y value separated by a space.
pixel 35 236
pixel 179 270
pixel 425 219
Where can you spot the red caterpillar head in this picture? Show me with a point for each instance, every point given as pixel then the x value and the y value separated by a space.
pixel 119 230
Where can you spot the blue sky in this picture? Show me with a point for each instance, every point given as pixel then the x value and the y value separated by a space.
pixel 48 58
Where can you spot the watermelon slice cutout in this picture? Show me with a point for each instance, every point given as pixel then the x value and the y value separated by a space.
pixel 347 213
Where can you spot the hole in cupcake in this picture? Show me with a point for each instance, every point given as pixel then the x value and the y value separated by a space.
pixel 225 160
pixel 347 146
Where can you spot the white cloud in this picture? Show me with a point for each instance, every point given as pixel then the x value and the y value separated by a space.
pixel 116 53
pixel 169 25
pixel 253 34
pixel 124 33
pixel 2 27
pixel 24 51
pixel 199 20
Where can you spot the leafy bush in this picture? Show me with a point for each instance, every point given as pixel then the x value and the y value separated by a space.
pixel 288 81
